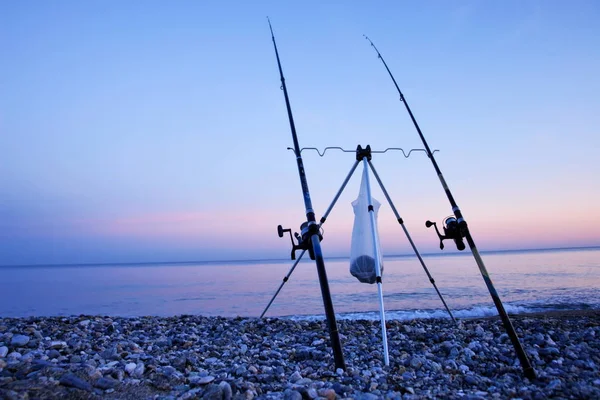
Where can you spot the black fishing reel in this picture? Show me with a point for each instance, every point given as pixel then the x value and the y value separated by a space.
pixel 452 230
pixel 303 238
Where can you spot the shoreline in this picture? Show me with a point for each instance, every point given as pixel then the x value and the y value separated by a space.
pixel 186 357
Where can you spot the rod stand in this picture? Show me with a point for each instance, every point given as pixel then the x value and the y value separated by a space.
pixel 360 154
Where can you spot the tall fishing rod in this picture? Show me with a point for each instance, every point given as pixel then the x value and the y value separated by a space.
pixel 311 237
pixel 460 229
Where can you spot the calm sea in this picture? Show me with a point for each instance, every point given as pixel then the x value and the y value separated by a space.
pixel 526 281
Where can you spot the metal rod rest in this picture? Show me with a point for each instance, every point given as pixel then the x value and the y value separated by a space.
pixel 406 155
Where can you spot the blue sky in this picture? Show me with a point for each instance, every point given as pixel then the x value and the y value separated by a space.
pixel 150 131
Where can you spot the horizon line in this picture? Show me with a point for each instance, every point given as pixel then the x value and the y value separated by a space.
pixel 453 253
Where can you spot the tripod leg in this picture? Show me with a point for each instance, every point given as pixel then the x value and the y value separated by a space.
pixel 377 251
pixel 337 196
pixel 285 279
pixel 387 196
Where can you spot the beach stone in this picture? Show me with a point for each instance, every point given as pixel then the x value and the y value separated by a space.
pixel 58 344
pixel 407 375
pixel 94 374
pixel 475 346
pixel 549 351
pixel 213 392
pixel 454 352
pixel 295 377
pixel 303 381
pixel 201 380
pixel 129 368
pixel 138 372
pixel 366 396
pixel 19 340
pixel 191 394
pixel 416 362
pixel 3 351
pixel 328 394
pixel 471 380
pixel 53 354
pixel 226 390
pixel 5 380
pixel 110 354
pixel 72 380
pixel 554 384
pixel 105 383
pixel 468 353
pixel 290 394
pixel 339 388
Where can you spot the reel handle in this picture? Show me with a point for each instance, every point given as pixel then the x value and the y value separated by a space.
pixel 428 224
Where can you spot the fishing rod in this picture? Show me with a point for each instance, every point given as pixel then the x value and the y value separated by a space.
pixel 311 238
pixel 457 228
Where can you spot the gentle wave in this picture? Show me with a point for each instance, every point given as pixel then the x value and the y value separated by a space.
pixel 473 312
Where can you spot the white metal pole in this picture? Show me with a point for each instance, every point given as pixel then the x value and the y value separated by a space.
pixel 386 356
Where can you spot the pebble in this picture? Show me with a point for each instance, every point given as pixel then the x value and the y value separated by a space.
pixel 295 377
pixel 19 340
pixel 106 383
pixel 202 380
pixel 76 382
pixel 3 351
pixel 227 392
pixel 129 368
pixel 57 344
pixel 138 372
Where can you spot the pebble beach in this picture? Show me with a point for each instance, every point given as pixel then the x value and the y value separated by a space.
pixel 191 357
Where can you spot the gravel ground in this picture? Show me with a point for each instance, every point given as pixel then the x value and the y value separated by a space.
pixel 188 357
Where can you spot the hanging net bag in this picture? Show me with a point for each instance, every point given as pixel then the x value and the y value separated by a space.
pixel 362 251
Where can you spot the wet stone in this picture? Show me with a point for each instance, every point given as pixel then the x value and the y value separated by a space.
pixel 72 380
pixel 106 383
pixel 19 340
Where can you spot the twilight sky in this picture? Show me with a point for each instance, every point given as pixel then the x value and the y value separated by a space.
pixel 156 131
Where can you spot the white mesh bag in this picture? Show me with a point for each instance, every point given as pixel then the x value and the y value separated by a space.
pixel 362 251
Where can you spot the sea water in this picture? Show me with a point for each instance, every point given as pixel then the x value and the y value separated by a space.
pixel 527 281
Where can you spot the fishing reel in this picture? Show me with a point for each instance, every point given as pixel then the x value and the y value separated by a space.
pixel 303 238
pixel 452 230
